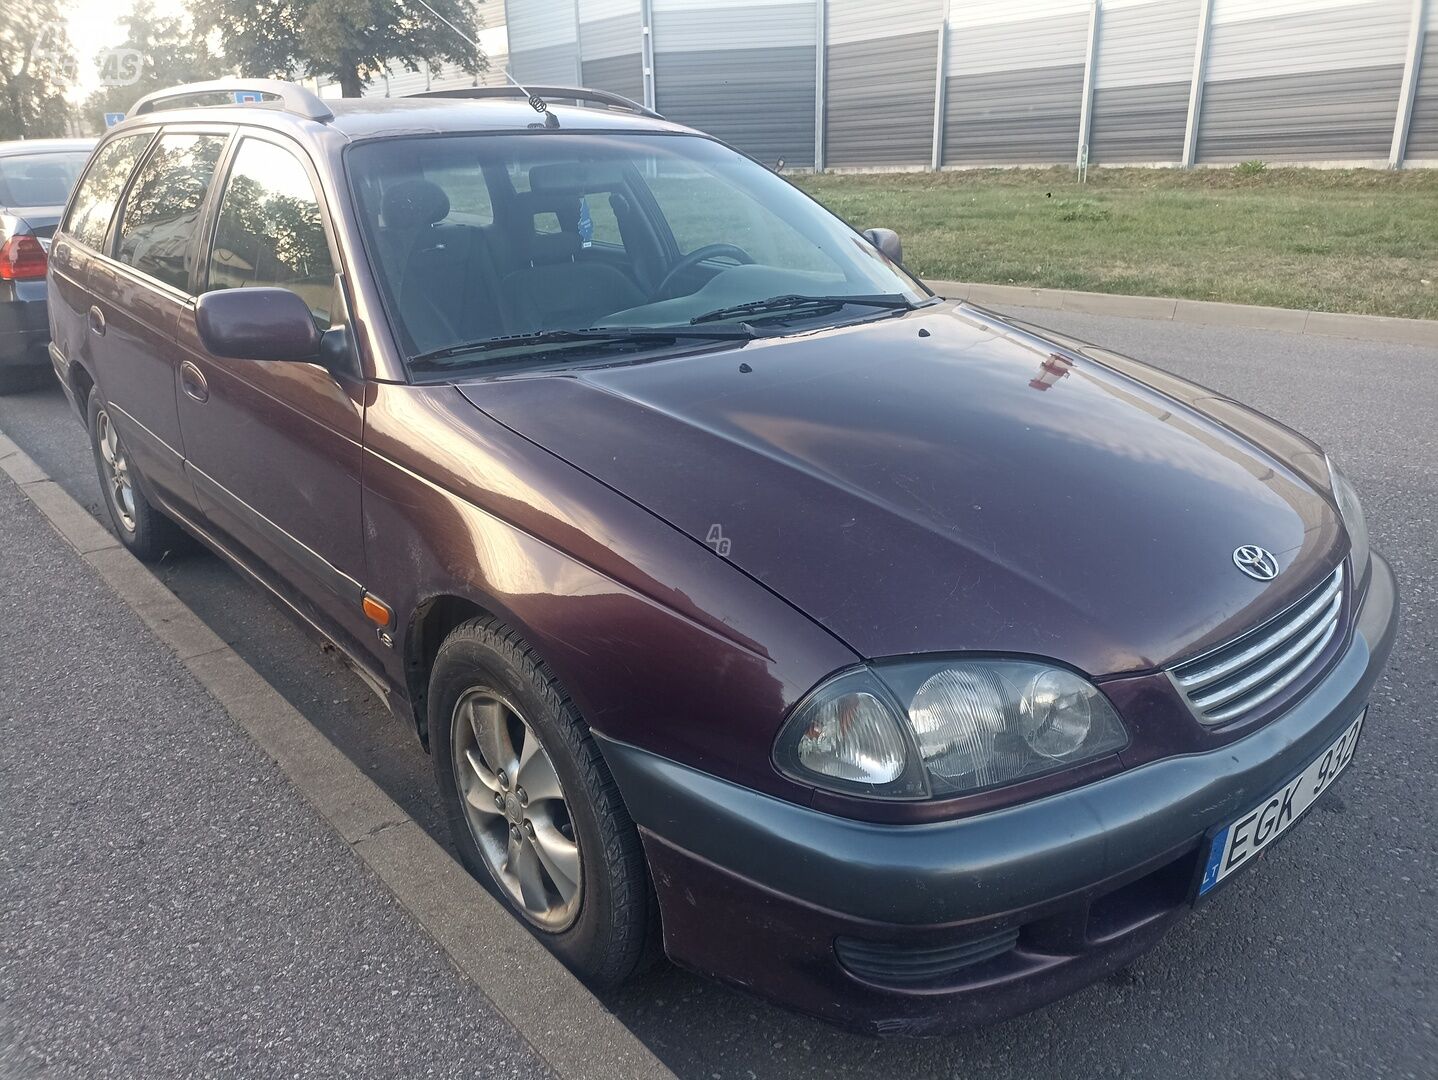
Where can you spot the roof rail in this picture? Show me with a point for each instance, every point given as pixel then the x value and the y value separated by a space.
pixel 293 98
pixel 574 93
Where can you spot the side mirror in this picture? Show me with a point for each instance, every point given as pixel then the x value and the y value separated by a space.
pixel 887 241
pixel 257 324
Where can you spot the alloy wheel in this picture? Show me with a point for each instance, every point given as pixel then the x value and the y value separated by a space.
pixel 516 809
pixel 121 488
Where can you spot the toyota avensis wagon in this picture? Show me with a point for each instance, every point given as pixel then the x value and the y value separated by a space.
pixel 868 651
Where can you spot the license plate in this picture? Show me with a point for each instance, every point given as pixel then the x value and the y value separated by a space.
pixel 1238 843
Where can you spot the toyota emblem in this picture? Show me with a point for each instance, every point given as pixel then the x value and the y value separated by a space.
pixel 1258 563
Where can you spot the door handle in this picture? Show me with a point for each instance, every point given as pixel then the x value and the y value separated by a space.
pixel 97 322
pixel 192 382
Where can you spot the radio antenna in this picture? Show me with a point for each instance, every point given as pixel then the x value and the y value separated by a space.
pixel 537 103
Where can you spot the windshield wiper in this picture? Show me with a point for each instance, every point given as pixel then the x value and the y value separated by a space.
pixel 600 335
pixel 796 303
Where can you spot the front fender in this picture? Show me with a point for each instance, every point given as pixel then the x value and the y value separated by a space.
pixel 661 643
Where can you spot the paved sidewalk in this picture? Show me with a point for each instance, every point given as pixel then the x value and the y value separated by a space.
pixel 169 906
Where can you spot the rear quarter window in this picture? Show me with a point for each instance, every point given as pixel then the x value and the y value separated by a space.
pixel 468 193
pixel 89 218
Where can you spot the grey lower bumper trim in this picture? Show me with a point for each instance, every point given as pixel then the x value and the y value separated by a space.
pixel 1010 859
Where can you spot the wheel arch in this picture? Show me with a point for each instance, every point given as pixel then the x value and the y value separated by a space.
pixel 428 625
pixel 81 382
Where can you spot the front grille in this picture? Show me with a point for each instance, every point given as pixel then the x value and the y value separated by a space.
pixel 891 964
pixel 1235 679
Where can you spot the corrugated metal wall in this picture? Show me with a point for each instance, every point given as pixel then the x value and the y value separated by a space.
pixel 494 42
pixel 610 36
pixel 1015 81
pixel 1143 70
pixel 397 82
pixel 881 63
pixel 1283 80
pixel 1293 80
pixel 544 41
pixel 1423 132
pixel 743 70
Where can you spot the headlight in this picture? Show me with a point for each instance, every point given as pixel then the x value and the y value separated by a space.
pixel 1351 511
pixel 915 729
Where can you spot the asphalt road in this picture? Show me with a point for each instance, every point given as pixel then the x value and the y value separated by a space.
pixel 1319 963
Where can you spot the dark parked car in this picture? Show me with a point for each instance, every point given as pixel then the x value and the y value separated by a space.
pixel 35 180
pixel 893 660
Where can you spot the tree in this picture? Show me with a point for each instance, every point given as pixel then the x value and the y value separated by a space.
pixel 170 54
pixel 36 66
pixel 349 41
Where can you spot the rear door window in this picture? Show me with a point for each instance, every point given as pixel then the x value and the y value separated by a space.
pixel 162 210
pixel 469 199
pixel 270 230
pixel 94 205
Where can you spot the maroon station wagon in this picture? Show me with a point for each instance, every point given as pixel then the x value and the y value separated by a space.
pixel 877 654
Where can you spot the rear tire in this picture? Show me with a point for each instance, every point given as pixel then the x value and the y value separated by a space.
pixel 486 678
pixel 144 530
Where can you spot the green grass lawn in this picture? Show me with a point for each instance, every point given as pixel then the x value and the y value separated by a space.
pixel 1352 240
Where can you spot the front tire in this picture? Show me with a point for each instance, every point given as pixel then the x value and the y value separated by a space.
pixel 531 803
pixel 145 531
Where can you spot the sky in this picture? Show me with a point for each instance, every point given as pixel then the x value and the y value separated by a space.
pixel 93 27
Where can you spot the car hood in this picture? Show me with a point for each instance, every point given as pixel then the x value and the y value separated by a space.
pixel 946 481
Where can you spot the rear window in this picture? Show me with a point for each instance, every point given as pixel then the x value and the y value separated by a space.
pixel 40 179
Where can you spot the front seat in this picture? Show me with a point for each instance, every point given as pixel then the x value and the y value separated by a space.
pixel 560 291
pixel 429 266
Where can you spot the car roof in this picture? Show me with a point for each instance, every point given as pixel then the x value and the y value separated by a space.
pixel 45 146
pixel 366 118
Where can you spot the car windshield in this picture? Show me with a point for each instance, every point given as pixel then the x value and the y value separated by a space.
pixel 40 179
pixel 500 246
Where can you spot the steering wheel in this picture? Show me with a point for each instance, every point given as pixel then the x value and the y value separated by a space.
pixel 698 255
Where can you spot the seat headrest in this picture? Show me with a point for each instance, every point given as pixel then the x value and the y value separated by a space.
pixel 413 204
pixel 546 249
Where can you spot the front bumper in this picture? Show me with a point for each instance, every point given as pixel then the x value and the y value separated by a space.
pixel 849 920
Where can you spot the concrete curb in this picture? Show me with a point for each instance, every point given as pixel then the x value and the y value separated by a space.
pixel 565 1024
pixel 1199 312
